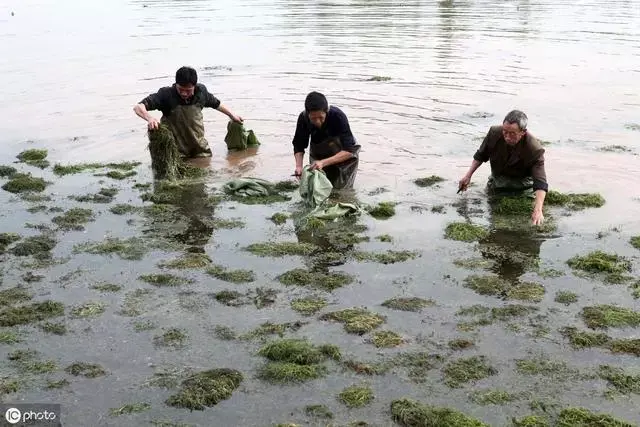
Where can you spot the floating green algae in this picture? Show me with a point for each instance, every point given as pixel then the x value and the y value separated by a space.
pixel 281 249
pixel 382 210
pixel 294 360
pixel 624 382
pixel 356 396
pixel 119 175
pixel 89 309
pixel 408 303
pixel 10 337
pixel 123 209
pixel 609 316
pixel 531 421
pixel 411 413
pixel 88 370
pixel 172 337
pixel 428 181
pixel 356 320
pixel 388 257
pixel 107 287
pixel 318 411
pixel 379 79
pixel 13 296
pixel 387 238
pixel 62 170
pixel 233 276
pixel 585 339
pixel 386 339
pixel 74 219
pixel 465 232
pixel 492 397
pixel 325 280
pixel 34 157
pixel 39 246
pixel 7 171
pixel 165 280
pixel 54 328
pixel 187 261
pixel 268 328
pixel 465 370
pixel 279 218
pixel 497 286
pixel 24 314
pixel 635 242
pixel 308 306
pixel 460 344
pixel 133 248
pixel 600 262
pixel 25 183
pixel 575 201
pixel 566 297
pixel 513 206
pixel 260 297
pixel 581 417
pixel 206 389
pixel 130 408
pixel 224 333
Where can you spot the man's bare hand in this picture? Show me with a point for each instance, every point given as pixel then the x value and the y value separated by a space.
pixel 153 123
pixel 537 218
pixel 236 119
pixel 318 164
pixel 463 184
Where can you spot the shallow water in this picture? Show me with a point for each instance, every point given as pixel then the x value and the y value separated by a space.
pixel 73 73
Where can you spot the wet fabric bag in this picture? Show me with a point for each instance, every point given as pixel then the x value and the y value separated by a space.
pixel 238 138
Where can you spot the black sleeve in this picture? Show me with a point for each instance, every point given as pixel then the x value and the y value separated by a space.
pixel 210 100
pixel 344 133
pixel 158 101
pixel 301 137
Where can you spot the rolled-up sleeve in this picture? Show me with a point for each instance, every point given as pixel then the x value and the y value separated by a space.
pixel 539 174
pixel 301 137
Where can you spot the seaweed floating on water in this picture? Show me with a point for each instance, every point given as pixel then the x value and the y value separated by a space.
pixel 356 320
pixel 34 157
pixel 566 297
pixel 206 389
pixel 386 339
pixel 326 280
pixel 574 417
pixel 21 315
pixel 356 396
pixel 25 183
pixel 408 303
pixel 465 232
pixel 173 337
pixel 7 171
pixel 609 316
pixel 74 219
pixel 411 413
pixel 62 170
pixel 382 210
pixel 574 201
pixel 280 249
pixel 308 306
pixel 294 361
pixel 88 370
pixel 428 181
pixel 233 276
pixel 465 370
pixel 388 257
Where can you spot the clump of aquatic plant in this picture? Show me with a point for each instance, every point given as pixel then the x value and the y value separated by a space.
pixel 279 218
pixel 38 246
pixel 308 306
pixel 123 209
pixel 133 248
pixel 385 238
pixel 465 232
pixel 54 328
pixel 164 279
pixel 35 312
pixel 233 276
pixel 600 262
pixel 624 382
pixel 280 249
pixel 89 370
pixel 268 328
pixel 206 389
pixel 382 210
pixel 130 408
pixel 411 413
pixel 465 370
pixel 34 157
pixel 328 280
pixel 513 206
pixel 388 257
pixel 318 411
pixel 25 183
pixel 260 297
pixel 356 320
pixel 492 397
pixel 7 171
pixel 573 417
pixel 566 297
pixel 88 309
pixel 356 396
pixel 428 181
pixel 187 261
pixel 62 170
pixel 609 316
pixel 294 360
pixel 13 296
pixel 74 219
pixel 635 242
pixel 408 303
pixel 531 421
pixel 386 339
pixel 460 344
pixel 173 337
pixel 574 201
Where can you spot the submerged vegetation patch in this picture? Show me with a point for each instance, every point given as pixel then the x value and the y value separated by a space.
pixel 164 279
pixel 295 360
pixel 585 339
pixel 132 248
pixel 281 249
pixel 233 276
pixel 386 339
pixel 356 320
pixel 578 417
pixel 600 262
pixel 465 232
pixel 38 246
pixel 74 219
pixel 88 370
pixel 25 183
pixel 428 181
pixel 466 370
pixel 34 157
pixel 408 303
pixel 566 297
pixel 411 413
pixel 308 306
pixel 62 170
pixel 356 396
pixel 575 201
pixel 206 389
pixel 609 316
pixel 388 257
pixel 260 297
pixel 35 312
pixel 187 261
pixel 382 210
pixel 496 286
pixel 325 280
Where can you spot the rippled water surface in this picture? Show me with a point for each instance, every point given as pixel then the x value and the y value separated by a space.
pixel 73 70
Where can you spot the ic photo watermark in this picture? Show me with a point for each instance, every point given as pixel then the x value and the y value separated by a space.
pixel 30 414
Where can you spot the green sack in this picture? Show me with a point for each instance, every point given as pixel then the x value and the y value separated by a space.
pixel 238 138
pixel 315 187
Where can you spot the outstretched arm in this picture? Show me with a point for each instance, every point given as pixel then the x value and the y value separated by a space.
pixel 141 111
pixel 228 113
pixel 540 187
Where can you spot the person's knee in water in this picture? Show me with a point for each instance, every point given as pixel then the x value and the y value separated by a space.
pixel 517 161
pixel 325 130
pixel 181 105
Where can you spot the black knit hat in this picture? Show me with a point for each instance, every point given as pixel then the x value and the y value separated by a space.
pixel 316 101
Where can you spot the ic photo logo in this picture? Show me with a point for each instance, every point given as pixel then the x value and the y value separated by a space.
pixel 13 415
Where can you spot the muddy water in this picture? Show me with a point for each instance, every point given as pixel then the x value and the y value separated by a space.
pixel 73 71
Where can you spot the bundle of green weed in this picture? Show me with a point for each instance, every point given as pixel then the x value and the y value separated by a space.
pixel 166 161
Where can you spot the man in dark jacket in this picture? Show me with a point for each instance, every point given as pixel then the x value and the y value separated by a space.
pixel 181 105
pixel 333 148
pixel 517 162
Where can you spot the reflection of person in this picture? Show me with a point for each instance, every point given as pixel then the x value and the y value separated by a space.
pixel 181 105
pixel 517 162
pixel 513 252
pixel 333 147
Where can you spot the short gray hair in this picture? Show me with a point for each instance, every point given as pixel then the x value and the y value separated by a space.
pixel 517 117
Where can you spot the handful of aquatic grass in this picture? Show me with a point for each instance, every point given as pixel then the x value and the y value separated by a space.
pixel 166 161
